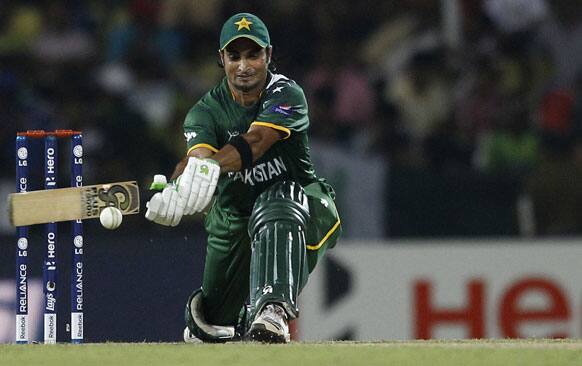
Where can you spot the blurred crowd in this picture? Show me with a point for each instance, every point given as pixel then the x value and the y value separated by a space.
pixel 488 86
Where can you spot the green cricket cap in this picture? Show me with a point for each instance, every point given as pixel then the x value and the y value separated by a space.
pixel 244 25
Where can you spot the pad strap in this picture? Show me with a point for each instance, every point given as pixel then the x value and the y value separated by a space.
pixel 244 149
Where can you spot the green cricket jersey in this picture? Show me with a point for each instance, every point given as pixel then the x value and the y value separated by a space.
pixel 217 117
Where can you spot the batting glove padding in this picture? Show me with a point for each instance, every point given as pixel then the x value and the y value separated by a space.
pixel 197 184
pixel 165 208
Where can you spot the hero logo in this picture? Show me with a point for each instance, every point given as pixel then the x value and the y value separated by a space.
pixel 512 312
pixel 189 136
pixel 51 249
pixel 50 180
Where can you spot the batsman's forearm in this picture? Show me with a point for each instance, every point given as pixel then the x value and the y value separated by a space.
pixel 229 158
pixel 260 139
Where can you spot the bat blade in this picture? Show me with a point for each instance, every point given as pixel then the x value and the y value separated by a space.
pixel 75 203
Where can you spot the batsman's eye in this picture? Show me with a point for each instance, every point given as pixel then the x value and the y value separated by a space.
pixel 233 56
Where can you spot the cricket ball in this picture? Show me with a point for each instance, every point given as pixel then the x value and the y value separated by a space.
pixel 110 218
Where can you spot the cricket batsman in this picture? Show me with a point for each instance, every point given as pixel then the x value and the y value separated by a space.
pixel 272 218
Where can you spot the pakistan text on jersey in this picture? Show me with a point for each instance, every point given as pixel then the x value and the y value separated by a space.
pixel 261 172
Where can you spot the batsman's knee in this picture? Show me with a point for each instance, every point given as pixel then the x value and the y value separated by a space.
pixel 283 201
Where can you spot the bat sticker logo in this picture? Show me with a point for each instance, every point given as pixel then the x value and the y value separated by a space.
pixel 116 196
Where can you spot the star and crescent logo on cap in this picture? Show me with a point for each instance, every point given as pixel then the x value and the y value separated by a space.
pixel 243 24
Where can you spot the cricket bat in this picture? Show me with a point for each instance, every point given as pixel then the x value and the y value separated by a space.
pixel 76 203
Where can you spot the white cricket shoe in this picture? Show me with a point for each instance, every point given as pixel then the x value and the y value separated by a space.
pixel 189 337
pixel 270 326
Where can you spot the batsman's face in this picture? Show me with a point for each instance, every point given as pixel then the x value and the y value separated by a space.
pixel 245 64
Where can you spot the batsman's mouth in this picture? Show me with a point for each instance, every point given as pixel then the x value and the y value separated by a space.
pixel 245 77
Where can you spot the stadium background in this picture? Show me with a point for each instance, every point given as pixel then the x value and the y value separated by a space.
pixel 442 124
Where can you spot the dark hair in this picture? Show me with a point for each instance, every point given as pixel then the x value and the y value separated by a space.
pixel 273 64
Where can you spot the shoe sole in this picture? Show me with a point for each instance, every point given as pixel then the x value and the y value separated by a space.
pixel 260 333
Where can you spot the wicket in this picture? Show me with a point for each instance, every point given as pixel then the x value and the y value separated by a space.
pixel 50 276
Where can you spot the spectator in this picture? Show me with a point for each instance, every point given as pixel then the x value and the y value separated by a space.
pixel 23 24
pixel 423 96
pixel 511 149
pixel 554 187
pixel 561 37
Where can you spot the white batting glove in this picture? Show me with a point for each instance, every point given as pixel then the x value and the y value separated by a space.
pixel 164 207
pixel 197 184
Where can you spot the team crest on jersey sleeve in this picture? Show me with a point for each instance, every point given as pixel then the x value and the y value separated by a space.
pixel 189 135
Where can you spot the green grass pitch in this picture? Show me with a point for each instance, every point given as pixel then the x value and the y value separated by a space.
pixel 433 353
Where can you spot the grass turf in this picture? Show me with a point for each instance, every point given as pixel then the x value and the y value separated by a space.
pixel 434 353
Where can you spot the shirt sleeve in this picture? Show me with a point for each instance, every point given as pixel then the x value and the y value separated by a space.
pixel 284 108
pixel 199 129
